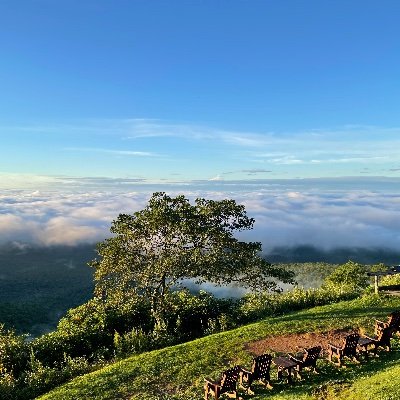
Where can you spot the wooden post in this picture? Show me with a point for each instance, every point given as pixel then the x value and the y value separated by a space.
pixel 376 284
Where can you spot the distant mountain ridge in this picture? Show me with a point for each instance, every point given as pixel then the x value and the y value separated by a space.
pixel 308 253
pixel 39 284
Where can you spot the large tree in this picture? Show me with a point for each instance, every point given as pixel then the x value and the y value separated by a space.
pixel 169 240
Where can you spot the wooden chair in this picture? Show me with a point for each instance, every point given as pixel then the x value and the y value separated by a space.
pixel 260 371
pixel 309 359
pixel 382 339
pixel 393 321
pixel 348 349
pixel 226 385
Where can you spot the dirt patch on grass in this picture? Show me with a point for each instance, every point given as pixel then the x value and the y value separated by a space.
pixel 295 343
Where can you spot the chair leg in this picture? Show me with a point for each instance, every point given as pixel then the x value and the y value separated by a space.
pixel 267 383
pixel 339 360
pixel 206 389
pixel 314 369
pixel 331 354
pixel 249 383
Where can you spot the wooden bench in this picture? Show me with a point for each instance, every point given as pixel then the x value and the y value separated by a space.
pixel 260 371
pixel 226 385
pixel 348 349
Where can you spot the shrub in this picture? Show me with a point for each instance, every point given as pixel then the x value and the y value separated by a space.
pixel 260 305
pixel 135 341
pixel 190 315
pixel 88 331
pixel 7 386
pixel 14 353
pixel 390 280
pixel 348 277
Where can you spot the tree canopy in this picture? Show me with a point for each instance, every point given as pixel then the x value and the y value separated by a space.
pixel 154 249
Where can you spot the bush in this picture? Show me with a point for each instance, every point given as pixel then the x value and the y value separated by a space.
pixel 191 315
pixel 135 341
pixel 349 277
pixel 260 305
pixel 88 331
pixel 7 386
pixel 14 353
pixel 390 280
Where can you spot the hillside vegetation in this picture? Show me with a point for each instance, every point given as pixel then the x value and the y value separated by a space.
pixel 39 284
pixel 177 372
pixel 141 306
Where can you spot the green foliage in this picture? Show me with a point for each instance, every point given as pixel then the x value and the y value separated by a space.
pixel 88 330
pixel 261 305
pixel 177 372
pixel 98 331
pixel 133 342
pixel 348 277
pixel 14 352
pixel 190 316
pixel 390 280
pixel 378 267
pixel 170 240
pixel 39 284
pixel 309 274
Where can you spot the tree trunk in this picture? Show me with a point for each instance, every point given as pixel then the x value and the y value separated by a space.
pixel 157 309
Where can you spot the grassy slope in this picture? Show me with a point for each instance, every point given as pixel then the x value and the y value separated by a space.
pixel 177 372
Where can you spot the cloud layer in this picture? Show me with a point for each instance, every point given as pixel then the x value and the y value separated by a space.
pixel 285 216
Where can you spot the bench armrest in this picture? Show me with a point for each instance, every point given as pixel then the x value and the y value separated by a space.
pixel 297 360
pixel 370 338
pixel 245 371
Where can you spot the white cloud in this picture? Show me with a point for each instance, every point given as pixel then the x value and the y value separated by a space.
pixel 216 178
pixel 115 152
pixel 285 215
pixel 63 218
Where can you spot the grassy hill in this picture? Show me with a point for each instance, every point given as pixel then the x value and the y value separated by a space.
pixel 177 372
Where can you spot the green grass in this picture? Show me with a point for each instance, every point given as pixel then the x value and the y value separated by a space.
pixel 177 372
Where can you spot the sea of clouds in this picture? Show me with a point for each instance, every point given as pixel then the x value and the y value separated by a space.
pixel 285 215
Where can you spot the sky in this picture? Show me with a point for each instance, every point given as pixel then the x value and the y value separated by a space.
pixel 249 99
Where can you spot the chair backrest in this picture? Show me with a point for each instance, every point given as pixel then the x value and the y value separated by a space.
pixel 394 319
pixel 350 345
pixel 385 335
pixel 229 379
pixel 310 356
pixel 261 366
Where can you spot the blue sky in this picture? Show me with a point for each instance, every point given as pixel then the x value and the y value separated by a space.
pixel 178 91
